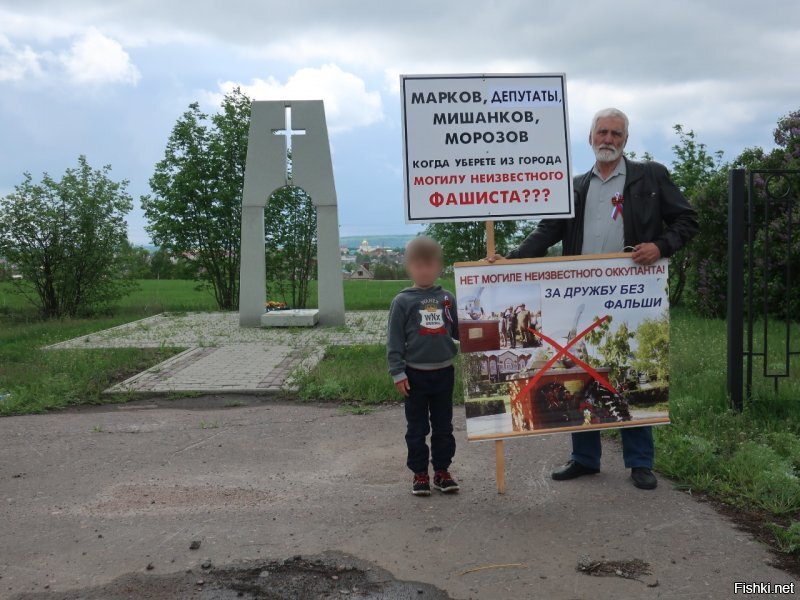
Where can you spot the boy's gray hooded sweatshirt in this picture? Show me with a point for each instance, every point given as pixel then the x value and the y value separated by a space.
pixel 422 326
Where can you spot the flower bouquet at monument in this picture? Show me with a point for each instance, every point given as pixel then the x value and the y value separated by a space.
pixel 274 305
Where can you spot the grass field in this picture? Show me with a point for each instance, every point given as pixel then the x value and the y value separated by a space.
pixel 749 460
pixel 34 380
pixel 333 378
pixel 154 296
pixel 151 297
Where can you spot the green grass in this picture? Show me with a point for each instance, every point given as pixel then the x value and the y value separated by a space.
pixel 750 459
pixel 37 380
pixel 177 295
pixel 333 378
pixel 169 295
pixel 149 298
pixel 787 538
pixel 369 295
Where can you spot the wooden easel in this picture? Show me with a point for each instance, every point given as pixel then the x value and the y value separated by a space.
pixel 499 456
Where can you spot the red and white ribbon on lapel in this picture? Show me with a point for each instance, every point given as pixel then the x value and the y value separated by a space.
pixel 617 202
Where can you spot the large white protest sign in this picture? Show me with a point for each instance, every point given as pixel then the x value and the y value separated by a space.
pixel 563 344
pixel 486 147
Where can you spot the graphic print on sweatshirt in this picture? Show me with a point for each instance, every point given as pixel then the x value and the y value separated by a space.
pixel 432 317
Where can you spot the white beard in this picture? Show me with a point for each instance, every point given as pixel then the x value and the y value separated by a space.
pixel 606 154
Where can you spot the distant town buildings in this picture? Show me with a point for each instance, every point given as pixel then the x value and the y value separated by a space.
pixel 364 249
pixel 372 262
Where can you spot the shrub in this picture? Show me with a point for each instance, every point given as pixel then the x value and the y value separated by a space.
pixel 774 250
pixel 67 238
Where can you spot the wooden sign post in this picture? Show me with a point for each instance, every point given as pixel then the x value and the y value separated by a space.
pixel 499 456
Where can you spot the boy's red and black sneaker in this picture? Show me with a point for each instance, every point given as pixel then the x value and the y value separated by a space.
pixel 443 482
pixel 421 485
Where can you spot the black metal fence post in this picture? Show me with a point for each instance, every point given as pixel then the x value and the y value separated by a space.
pixel 736 242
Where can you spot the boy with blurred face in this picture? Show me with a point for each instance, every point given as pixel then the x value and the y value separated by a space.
pixel 421 346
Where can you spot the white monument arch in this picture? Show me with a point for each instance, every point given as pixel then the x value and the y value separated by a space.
pixel 271 136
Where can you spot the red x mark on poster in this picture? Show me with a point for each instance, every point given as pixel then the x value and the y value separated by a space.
pixel 564 351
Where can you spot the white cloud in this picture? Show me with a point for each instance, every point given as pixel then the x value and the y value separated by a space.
pixel 714 106
pixel 42 28
pixel 95 58
pixel 17 63
pixel 348 103
pixel 39 50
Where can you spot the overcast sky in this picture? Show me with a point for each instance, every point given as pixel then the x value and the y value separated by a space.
pixel 109 79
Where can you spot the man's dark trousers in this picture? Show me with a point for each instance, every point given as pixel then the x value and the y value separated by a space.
pixel 637 447
pixel 429 406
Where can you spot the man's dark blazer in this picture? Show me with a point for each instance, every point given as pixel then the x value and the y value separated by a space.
pixel 654 210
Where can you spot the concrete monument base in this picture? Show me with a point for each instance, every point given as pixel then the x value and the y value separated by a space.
pixel 296 317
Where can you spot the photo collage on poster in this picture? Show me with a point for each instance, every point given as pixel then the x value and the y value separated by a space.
pixel 610 317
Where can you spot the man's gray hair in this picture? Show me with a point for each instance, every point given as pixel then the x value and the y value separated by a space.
pixel 609 112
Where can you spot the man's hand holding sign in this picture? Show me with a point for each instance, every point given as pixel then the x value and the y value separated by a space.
pixel 645 254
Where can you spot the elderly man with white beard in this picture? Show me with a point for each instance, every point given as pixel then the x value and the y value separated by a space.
pixel 620 205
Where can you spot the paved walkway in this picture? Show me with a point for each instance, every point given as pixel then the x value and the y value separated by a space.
pixel 221 357
pixel 269 480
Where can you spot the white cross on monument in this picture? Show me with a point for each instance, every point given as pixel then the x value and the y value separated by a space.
pixel 269 168
pixel 288 132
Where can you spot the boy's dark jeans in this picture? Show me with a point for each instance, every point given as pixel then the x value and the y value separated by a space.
pixel 429 406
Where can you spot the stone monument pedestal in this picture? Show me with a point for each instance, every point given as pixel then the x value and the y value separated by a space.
pixel 296 317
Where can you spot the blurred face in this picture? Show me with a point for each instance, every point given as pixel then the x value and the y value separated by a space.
pixel 608 139
pixel 424 271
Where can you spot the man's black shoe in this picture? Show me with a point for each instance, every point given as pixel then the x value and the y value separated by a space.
pixel 571 470
pixel 643 478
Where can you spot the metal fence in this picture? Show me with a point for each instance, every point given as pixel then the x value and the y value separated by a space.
pixel 761 219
